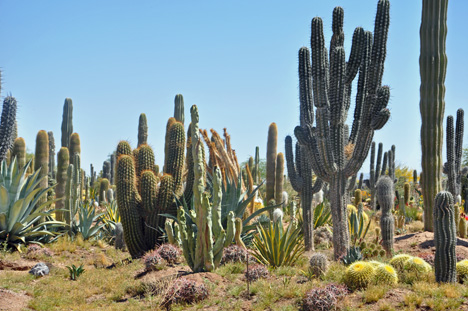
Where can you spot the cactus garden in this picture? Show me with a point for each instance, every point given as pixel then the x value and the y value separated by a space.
pixel 171 206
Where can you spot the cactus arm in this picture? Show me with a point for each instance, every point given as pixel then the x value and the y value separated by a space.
pixel 7 125
pixel 293 174
pixel 142 130
pixel 217 199
pixel 67 123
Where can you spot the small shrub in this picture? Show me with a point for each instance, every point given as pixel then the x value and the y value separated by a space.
pixel 153 261
pixel 374 293
pixel 234 253
pixel 169 253
pixel 75 271
pixel 318 264
pixel 256 272
pixel 185 291
pixel 325 298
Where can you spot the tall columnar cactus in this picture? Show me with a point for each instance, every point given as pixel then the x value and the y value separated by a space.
pixel 67 122
pixel 179 108
pixel 330 78
pixel 7 126
pixel 361 180
pixel 432 68
pixel 203 249
pixel 385 196
pixel 92 177
pixel 445 238
pixel 391 163
pixel 75 144
pixel 142 130
pixel 63 161
pixel 406 193
pixel 19 151
pixel 112 169
pixel 51 154
pixel 104 186
pixel 106 169
pixel 256 167
pixel 376 170
pixel 271 162
pixel 188 192
pixel 454 153
pixel 357 197
pixel 279 178
pixel 300 176
pixel 141 202
pixel 42 160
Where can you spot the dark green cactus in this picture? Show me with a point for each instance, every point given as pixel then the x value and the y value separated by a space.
pixel 385 196
pixel 169 124
pixel 142 130
pixel 179 108
pixel 175 155
pixel 432 68
pixel 51 154
pixel 63 161
pixel 279 178
pixel 361 180
pixel 376 170
pixel 271 162
pixel 19 151
pixel 391 163
pixel 67 122
pixel 256 167
pixel 42 160
pixel 330 78
pixel 406 193
pixel 7 126
pixel 188 192
pixel 454 153
pixel 445 238
pixel 103 187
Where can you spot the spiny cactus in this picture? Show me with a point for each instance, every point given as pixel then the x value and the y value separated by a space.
pixel 75 144
pixel 271 162
pixel 432 68
pixel 445 238
pixel 63 161
pixel 42 160
pixel 326 142
pixel 67 122
pixel 376 170
pixel 103 187
pixel 142 130
pixel 7 126
pixel 385 274
pixel 398 261
pixel 416 264
pixel 454 154
pixel 19 151
pixel 279 179
pixel 51 154
pixel 406 193
pixel 179 108
pixel 318 264
pixel 357 197
pixel 359 275
pixel 462 271
pixel 387 221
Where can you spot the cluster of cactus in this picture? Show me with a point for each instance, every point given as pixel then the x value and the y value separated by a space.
pixel 361 274
pixel 369 250
pixel 405 263
pixel 445 238
pixel 326 143
pixel 153 261
pixel 256 272
pixel 387 221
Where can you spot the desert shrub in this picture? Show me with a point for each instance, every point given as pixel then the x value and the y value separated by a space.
pixel 185 291
pixel 170 253
pixel 234 253
pixel 153 261
pixel 256 272
pixel 325 298
pixel 34 251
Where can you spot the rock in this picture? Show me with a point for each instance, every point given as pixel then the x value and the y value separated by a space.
pixel 39 269
pixel 119 238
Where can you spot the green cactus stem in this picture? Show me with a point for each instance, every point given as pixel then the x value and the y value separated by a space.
pixel 179 108
pixel 279 179
pixel 454 153
pixel 51 154
pixel 445 238
pixel 67 122
pixel 42 160
pixel 19 151
pixel 142 130
pixel 63 161
pixel 385 195
pixel 7 126
pixel 103 187
pixel 271 161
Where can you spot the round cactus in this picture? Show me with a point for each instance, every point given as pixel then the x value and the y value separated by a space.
pixel 153 261
pixel 385 274
pixel 359 275
pixel 169 253
pixel 398 261
pixel 416 264
pixel 375 263
pixel 318 264
pixel 462 271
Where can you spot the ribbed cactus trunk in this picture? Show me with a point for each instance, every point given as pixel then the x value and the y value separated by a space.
pixel 67 122
pixel 19 151
pixel 42 161
pixel 454 140
pixel 7 126
pixel 179 108
pixel 279 179
pixel 51 154
pixel 331 77
pixel 432 68
pixel 445 238
pixel 142 130
pixel 385 196
pixel 271 162
pixel 63 161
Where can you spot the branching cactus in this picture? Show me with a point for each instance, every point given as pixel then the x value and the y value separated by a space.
pixel 67 122
pixel 7 126
pixel 301 178
pixel 387 222
pixel 445 238
pixel 454 154
pixel 432 68
pixel 330 78
pixel 376 170
pixel 141 202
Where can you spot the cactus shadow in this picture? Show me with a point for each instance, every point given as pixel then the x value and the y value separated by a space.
pixel 405 237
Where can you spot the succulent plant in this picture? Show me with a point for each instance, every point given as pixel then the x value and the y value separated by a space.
pixel 256 272
pixel 169 253
pixel 186 291
pixel 359 275
pixel 319 299
pixel 234 253
pixel 398 261
pixel 7 126
pixel 462 271
pixel 67 122
pixel 454 153
pixel 416 264
pixel 385 274
pixel 153 261
pixel 387 221
pixel 318 263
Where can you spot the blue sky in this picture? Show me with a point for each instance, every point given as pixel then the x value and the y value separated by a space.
pixel 236 60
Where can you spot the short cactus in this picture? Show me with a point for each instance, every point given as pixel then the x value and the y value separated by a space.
pixel 169 253
pixel 398 261
pixel 256 272
pixel 153 261
pixel 318 264
pixel 234 253
pixel 416 264
pixel 359 275
pixel 385 274
pixel 445 237
pixel 387 221
pixel 462 271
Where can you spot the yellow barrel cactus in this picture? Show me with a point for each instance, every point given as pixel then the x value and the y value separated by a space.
pixel 398 261
pixel 416 264
pixel 462 270
pixel 359 275
pixel 385 274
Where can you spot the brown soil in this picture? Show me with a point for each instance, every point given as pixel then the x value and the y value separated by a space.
pixel 415 243
pixel 17 265
pixel 11 301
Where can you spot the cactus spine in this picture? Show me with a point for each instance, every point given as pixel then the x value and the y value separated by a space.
pixel 42 160
pixel 51 154
pixel 19 151
pixel 142 130
pixel 326 142
pixel 445 238
pixel 67 122
pixel 387 221
pixel 454 153
pixel 432 68
pixel 63 161
pixel 7 126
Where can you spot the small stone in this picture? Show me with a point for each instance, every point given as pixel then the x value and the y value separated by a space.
pixel 39 269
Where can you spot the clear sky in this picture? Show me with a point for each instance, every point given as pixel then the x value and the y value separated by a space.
pixel 236 60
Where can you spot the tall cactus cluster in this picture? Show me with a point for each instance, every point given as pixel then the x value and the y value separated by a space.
pixel 432 68
pixel 330 79
pixel 452 167
pixel 67 122
pixel 274 170
pixel 377 169
pixel 445 238
pixel 387 221
pixel 140 200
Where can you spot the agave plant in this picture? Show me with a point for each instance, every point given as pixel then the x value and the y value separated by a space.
pixel 277 247
pixel 357 227
pixel 88 224
pixel 322 215
pixel 22 219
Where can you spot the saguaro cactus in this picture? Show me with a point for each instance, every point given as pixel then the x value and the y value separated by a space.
pixel 67 122
pixel 376 170
pixel 331 79
pixel 7 126
pixel 271 162
pixel 387 222
pixel 445 238
pixel 454 154
pixel 432 68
